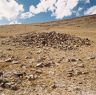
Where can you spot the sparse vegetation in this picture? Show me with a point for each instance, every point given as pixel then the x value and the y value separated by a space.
pixel 41 62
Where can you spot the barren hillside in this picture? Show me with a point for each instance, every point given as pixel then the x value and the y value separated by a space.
pixel 52 58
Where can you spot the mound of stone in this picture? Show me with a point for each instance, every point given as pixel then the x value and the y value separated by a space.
pixel 51 39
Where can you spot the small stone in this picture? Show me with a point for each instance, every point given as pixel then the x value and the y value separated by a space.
pixel 39 51
pixel 19 75
pixel 85 72
pixel 15 62
pixel 40 65
pixel 77 73
pixel 61 60
pixel 38 72
pixel 77 89
pixel 13 87
pixel 47 64
pixel 81 65
pixel 70 74
pixel 1 73
pixel 31 77
pixel 7 85
pixel 23 66
pixel 10 85
pixel 72 60
pixel 54 86
pixel 70 70
pixel 32 60
pixel 9 49
pixel 91 57
pixel 8 60
pixel 28 57
pixel 80 83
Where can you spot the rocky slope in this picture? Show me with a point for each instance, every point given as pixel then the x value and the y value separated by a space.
pixel 49 58
pixel 51 39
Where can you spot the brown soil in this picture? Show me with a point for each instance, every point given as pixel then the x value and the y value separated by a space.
pixel 57 58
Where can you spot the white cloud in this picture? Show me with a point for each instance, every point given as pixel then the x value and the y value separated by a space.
pixel 10 9
pixel 78 12
pixel 64 8
pixel 46 5
pixel 14 22
pixel 26 15
pixel 80 9
pixel 86 1
pixel 91 11
pixel 43 6
pixel 59 8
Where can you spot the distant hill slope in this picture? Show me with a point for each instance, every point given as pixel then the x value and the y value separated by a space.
pixel 91 19
pixel 85 26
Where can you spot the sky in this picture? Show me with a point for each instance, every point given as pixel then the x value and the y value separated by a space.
pixel 33 11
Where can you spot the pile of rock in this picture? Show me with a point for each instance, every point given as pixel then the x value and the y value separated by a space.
pixel 72 73
pixel 45 64
pixel 9 59
pixel 8 85
pixel 51 39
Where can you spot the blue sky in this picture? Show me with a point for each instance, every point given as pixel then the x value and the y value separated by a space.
pixel 31 11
